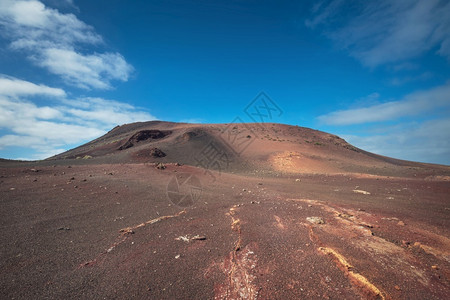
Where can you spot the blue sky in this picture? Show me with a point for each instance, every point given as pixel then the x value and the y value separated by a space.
pixel 374 72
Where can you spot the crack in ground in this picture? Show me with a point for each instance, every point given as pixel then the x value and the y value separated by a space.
pixel 124 234
pixel 238 265
pixel 355 278
pixel 236 226
pixel 391 258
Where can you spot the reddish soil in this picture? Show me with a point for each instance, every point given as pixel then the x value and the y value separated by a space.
pixel 296 214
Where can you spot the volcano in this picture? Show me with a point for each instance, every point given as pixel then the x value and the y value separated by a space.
pixel 162 210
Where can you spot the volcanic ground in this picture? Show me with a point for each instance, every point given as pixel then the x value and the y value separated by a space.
pixel 160 210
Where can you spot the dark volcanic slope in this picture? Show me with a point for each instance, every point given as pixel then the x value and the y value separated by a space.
pixel 283 212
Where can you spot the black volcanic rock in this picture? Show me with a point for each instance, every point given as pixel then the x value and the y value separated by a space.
pixel 155 152
pixel 144 135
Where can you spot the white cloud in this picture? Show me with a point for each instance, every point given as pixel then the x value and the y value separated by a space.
pixel 415 128
pixel 108 112
pixel 385 31
pixel 48 129
pixel 41 125
pixel 13 87
pixel 426 142
pixel 85 71
pixel 54 40
pixel 412 104
pixel 34 21
pixel 393 34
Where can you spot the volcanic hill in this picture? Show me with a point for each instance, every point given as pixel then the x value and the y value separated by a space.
pixel 161 210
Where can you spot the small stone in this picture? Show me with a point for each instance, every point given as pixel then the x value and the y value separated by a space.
pixel 397 288
pixel 160 166
pixel 199 238
pixel 434 267
pixel 361 192
pixel 177 256
pixel 183 238
pixel 401 223
pixel 315 220
pixel 405 243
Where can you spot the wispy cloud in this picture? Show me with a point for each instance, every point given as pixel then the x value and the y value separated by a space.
pixel 426 142
pixel 413 104
pixel 49 129
pixel 414 127
pixel 13 87
pixel 377 32
pixel 57 42
pixel 405 79
pixel 85 71
pixel 398 35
